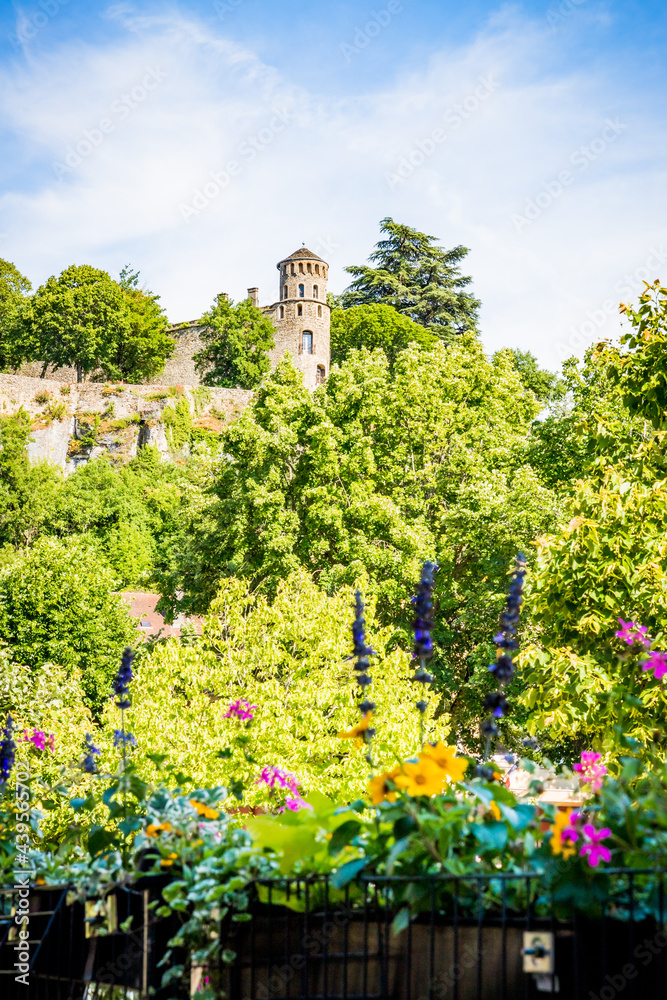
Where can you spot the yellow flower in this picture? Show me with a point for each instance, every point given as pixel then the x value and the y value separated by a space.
pixel 378 790
pixel 203 810
pixel 558 845
pixel 423 778
pixel 445 758
pixel 152 830
pixel 40 880
pixel 169 861
pixel 357 732
pixel 495 810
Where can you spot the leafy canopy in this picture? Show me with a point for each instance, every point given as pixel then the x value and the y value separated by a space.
pixel 375 472
pixel 78 319
pixel 237 339
pixel 290 658
pixel 57 605
pixel 14 288
pixel 142 356
pixel 374 326
pixel 419 279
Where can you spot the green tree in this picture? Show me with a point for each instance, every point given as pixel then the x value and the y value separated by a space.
pixel 78 319
pixel 377 471
pixel 289 657
pixel 14 288
pixel 374 326
pixel 26 491
pixel 142 355
pixel 418 278
pixel 236 339
pixel 541 383
pixel 606 560
pixel 57 605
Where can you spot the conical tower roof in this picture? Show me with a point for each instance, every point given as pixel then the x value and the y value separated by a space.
pixel 303 253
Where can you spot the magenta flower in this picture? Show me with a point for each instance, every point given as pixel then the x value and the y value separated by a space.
pixel 593 849
pixel 241 710
pixel 571 832
pixel 40 740
pixel 631 632
pixel 657 662
pixel 589 771
pixel 272 776
pixel 297 803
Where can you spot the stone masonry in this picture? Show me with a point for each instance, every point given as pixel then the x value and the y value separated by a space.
pixel 300 315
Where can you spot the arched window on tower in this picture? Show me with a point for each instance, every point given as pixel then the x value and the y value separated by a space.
pixel 319 311
pixel 299 310
pixel 293 271
pixel 284 291
pixel 309 268
pixel 317 269
pixel 301 291
pixel 307 342
pixel 300 268
pixel 321 374
pixel 282 312
pixel 316 292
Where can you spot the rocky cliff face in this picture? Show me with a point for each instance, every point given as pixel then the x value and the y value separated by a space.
pixel 71 424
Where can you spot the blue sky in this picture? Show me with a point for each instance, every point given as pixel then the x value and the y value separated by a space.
pixel 203 141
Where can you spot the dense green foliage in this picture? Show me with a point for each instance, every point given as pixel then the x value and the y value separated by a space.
pixel 363 480
pixel 374 326
pixel 289 657
pixel 236 339
pixel 77 319
pixel 14 288
pixel 419 279
pixel 141 356
pixel 57 606
pixel 85 319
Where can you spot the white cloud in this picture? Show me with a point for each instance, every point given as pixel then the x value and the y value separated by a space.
pixel 316 168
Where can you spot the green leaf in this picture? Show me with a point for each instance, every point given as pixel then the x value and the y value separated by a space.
pixel 491 836
pixel 347 872
pixel 342 835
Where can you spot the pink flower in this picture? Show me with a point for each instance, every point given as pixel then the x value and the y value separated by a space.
pixel 39 739
pixel 657 662
pixel 272 776
pixel 590 772
pixel 571 832
pixel 241 710
pixel 631 632
pixel 297 803
pixel 593 849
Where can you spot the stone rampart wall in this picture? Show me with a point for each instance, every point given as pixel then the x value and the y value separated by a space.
pixel 61 412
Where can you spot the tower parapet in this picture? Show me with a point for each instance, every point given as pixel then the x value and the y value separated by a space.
pixel 302 317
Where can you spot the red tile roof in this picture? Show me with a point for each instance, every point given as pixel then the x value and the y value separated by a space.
pixel 149 621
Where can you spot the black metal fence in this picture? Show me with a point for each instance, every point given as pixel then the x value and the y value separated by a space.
pixel 474 937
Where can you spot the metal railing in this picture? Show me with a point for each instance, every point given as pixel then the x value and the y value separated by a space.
pixel 470 937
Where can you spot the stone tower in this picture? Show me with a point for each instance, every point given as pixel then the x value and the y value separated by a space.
pixel 302 317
